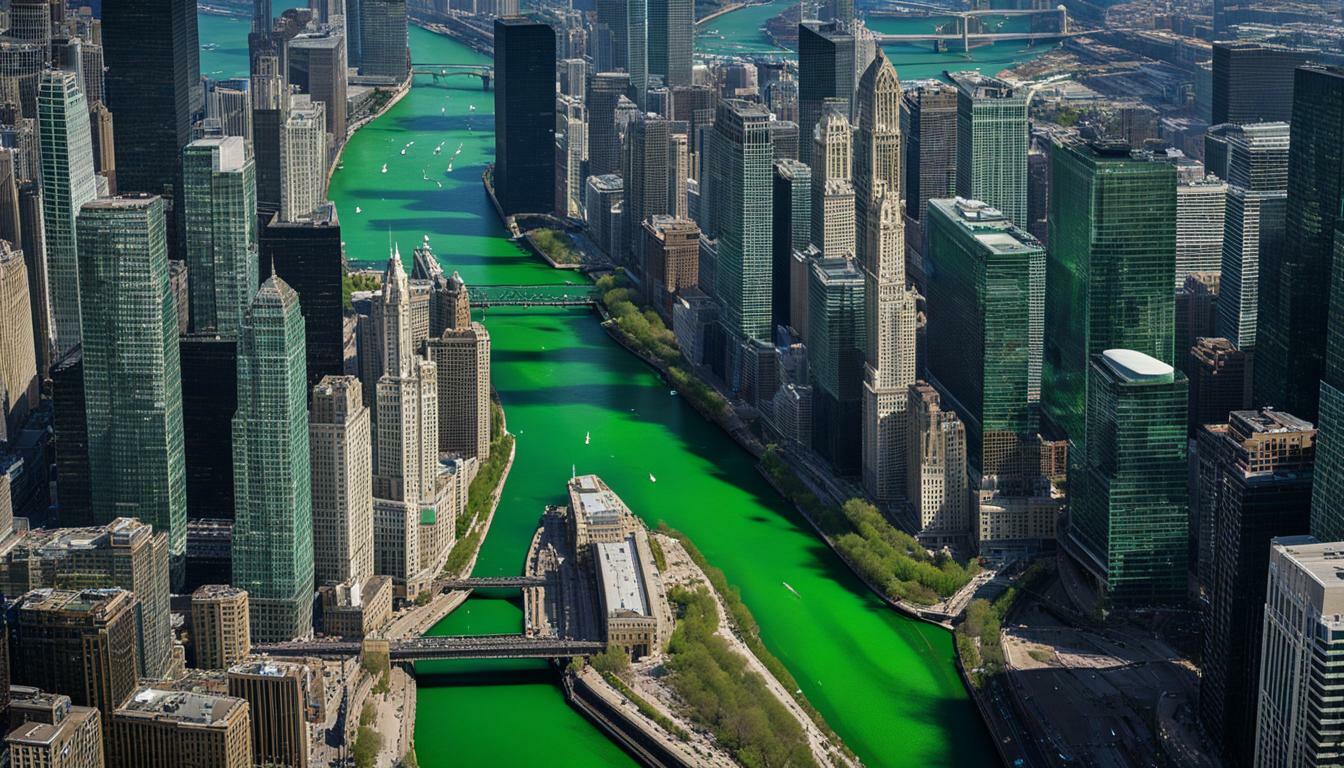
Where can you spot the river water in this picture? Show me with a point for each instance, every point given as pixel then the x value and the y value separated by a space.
pixel 887 684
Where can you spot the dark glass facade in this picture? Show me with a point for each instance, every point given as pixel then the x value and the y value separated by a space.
pixel 306 254
pixel 524 115
pixel 1109 270
pixel 209 400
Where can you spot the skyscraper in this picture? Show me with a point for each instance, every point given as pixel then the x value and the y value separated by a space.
pixel 936 469
pixel 524 115
pixel 833 199
pixel 341 450
pixel 985 322
pixel 461 359
pixel 307 255
pixel 929 122
pixel 1201 208
pixel 1296 722
pixel 209 400
pixel 739 199
pixel 132 368
pixel 270 102
pixel 1291 330
pixel 825 71
pixel 836 345
pixel 317 66
pixel 152 54
pixel 1109 270
pixel 1255 473
pixel 637 49
pixel 382 45
pixel 646 174
pixel 1129 509
pixel 992 143
pixel 1253 81
pixel 1257 193
pixel 273 517
pixel 877 148
pixel 220 202
pixel 67 184
pixel 18 365
pixel 1327 503
pixel 303 158
pixel 792 231
pixel 671 31
pixel 604 142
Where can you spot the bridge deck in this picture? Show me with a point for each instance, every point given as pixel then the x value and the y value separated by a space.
pixel 570 295
pixel 490 581
pixel 446 647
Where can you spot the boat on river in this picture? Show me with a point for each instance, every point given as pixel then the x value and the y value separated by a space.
pixel 652 479
pixel 449 169
pixel 384 168
pixel 588 438
pixel 358 209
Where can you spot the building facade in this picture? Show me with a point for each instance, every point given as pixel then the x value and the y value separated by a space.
pixel 220 198
pixel 221 626
pixel 341 448
pixel 992 143
pixel 524 115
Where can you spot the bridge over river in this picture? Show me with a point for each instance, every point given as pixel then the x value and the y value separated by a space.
pixel 517 646
pixel 439 71
pixel 564 295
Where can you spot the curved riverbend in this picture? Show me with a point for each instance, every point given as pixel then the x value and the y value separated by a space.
pixel 886 683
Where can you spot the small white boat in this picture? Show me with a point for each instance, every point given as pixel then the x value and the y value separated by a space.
pixel 450 168
pixel 672 392
pixel 424 176
pixel 384 168
pixel 440 183
pixel 471 108
pixel 791 589
pixel 403 150
pixel 358 209
pixel 442 110
pixel 588 438
pixel 652 479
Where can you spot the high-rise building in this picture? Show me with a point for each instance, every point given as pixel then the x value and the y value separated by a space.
pixel 270 102
pixel 936 471
pixel 70 434
pixel 524 115
pixel 739 202
pixel 209 400
pixel 1254 485
pixel 341 450
pixel 278 693
pixel 605 90
pixel 220 206
pixel 1296 721
pixel 124 553
pixel 1257 195
pixel 303 158
pixel 159 727
pixel 637 49
pixel 671 32
pixel 836 345
pixel 992 143
pixel 833 199
pixel 230 103
pixel 132 368
pixel 273 523
pixel 1201 207
pixel 152 53
pixel 1327 507
pixel 83 644
pixel 1253 81
pixel 1109 270
pixel 382 43
pixel 986 314
pixel 317 67
pixel 461 359
pixel 826 64
pixel 67 184
pixel 1219 381
pixel 1291 329
pixel 792 231
pixel 307 255
pixel 18 364
pixel 73 739
pixel 1129 515
pixel 889 306
pixel 929 123
pixel 671 259
pixel 221 626
pixel 647 174
pixel 571 151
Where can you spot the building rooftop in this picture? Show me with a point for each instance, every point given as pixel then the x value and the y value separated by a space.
pixel 981 86
pixel 1132 365
pixel 122 532
pixel 232 154
pixel 178 706
pixel 1268 421
pixel 607 182
pixel 217 592
pixel 595 502
pixel 622 585
pixel 268 668
pixel 83 601
pixel 987 225
pixel 1323 564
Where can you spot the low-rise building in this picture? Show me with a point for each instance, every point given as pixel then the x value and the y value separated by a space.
pixel 599 516
pixel 357 609
pixel 634 609
pixel 74 739
pixel 284 696
pixel 179 728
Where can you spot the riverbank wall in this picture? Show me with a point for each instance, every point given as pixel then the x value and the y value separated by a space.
pixel 350 132
pixel 600 704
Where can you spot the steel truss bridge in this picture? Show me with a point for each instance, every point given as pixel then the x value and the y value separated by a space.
pixel 961 26
pixel 533 295
pixel 449 647
pixel 443 71
pixel 489 582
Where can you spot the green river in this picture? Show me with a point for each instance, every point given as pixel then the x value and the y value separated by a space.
pixel 887 684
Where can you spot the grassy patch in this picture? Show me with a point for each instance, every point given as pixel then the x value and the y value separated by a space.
pixel 645 331
pixel 557 245
pixel 887 557
pixel 659 557
pixel 979 635
pixel 1041 655
pixel 366 746
pixel 749 631
pixel 357 281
